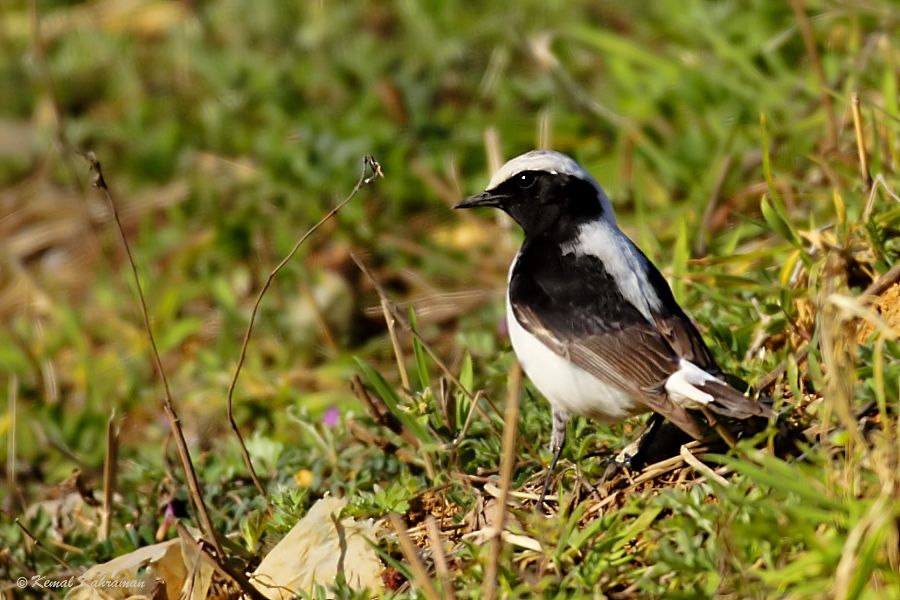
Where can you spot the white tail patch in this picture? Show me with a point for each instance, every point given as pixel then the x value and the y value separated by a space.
pixel 681 385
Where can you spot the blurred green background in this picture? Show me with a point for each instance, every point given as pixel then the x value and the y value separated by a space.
pixel 226 129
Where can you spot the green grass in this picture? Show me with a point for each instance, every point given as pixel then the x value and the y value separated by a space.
pixel 226 129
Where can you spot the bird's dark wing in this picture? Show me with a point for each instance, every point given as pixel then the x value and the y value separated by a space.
pixel 574 306
pixel 676 328
pixel 632 358
pixel 681 334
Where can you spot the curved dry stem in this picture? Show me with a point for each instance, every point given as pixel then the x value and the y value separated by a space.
pixel 369 164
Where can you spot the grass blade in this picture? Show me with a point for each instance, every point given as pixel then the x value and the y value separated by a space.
pixel 393 402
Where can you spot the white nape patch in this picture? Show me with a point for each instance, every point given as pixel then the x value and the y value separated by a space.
pixel 622 261
pixel 540 160
pixel 553 162
pixel 566 385
pixel 680 385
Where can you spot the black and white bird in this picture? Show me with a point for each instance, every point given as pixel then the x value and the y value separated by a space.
pixel 592 321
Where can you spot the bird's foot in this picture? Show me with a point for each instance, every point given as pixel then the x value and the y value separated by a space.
pixel 541 505
pixel 617 464
pixel 629 452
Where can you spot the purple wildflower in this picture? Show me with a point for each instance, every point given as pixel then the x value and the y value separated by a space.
pixel 332 416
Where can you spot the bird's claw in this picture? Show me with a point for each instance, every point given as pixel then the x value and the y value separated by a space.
pixel 616 464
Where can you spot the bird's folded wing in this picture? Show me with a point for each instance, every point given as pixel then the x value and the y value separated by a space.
pixel 685 340
pixel 634 358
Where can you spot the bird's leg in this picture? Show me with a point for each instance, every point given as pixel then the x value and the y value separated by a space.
pixel 557 441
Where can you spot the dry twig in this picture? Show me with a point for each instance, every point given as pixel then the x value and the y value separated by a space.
pixel 369 163
pixel 40 545
pixel 168 403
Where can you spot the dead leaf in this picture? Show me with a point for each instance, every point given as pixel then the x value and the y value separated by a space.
pixel 313 551
pixel 199 574
pixel 179 568
pixel 888 307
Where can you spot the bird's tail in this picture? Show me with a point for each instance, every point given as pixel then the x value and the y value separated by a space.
pixel 729 402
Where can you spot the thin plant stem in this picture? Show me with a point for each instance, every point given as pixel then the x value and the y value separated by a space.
pixel 168 403
pixel 369 163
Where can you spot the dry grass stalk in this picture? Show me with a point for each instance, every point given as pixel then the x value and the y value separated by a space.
pixel 664 466
pixel 702 468
pixel 507 461
pixel 110 463
pixel 544 129
pixel 363 434
pixel 461 435
pixel 876 288
pixel 168 403
pixel 222 567
pixel 440 559
pixel 837 342
pixel 391 322
pixel 62 141
pixel 40 545
pixel 425 345
pixel 381 413
pixel 12 411
pixel 717 425
pixel 321 322
pixel 876 520
pixel 420 575
pixel 860 141
pixel 702 241
pixel 809 41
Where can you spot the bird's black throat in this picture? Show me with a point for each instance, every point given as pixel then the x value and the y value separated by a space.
pixel 574 293
pixel 545 203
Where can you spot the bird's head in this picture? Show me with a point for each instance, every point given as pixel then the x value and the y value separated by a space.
pixel 544 191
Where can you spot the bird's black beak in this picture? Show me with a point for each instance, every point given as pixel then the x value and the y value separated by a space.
pixel 482 199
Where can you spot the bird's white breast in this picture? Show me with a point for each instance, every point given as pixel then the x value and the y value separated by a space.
pixel 566 385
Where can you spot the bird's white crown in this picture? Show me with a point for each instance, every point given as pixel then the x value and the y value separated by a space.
pixel 553 162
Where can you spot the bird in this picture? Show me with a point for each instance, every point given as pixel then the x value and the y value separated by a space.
pixel 592 321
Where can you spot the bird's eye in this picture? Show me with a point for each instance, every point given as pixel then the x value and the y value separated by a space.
pixel 526 180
